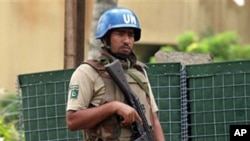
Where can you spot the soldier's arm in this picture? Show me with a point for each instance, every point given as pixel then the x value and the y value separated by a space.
pixel 157 132
pixel 88 118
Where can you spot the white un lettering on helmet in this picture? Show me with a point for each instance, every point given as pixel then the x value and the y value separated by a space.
pixel 129 19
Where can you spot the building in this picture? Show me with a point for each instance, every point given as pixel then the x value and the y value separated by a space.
pixel 32 31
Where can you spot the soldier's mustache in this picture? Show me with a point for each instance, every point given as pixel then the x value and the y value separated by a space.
pixel 125 46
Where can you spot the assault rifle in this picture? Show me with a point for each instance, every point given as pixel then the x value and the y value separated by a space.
pixel 142 132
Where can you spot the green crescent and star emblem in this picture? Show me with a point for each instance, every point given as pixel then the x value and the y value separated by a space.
pixel 74 89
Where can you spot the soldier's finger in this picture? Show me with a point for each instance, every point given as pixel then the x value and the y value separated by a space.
pixel 138 118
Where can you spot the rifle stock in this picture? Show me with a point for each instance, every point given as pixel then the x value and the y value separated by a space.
pixel 116 71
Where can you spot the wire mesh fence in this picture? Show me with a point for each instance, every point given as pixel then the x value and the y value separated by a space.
pixel 196 102
pixel 165 81
pixel 218 97
pixel 43 106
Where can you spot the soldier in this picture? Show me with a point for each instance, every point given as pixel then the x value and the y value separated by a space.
pixel 95 104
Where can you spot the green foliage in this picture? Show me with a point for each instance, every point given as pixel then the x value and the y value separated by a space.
pixel 186 40
pixel 9 107
pixel 223 47
pixel 9 118
pixel 8 130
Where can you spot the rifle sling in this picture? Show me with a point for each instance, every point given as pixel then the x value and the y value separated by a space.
pixel 138 81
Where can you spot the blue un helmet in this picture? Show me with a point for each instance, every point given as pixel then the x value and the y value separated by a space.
pixel 118 18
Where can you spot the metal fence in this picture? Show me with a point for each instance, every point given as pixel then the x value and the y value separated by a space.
pixel 44 98
pixel 196 102
pixel 218 96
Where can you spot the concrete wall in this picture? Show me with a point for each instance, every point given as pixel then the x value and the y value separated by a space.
pixel 32 31
pixel 31 38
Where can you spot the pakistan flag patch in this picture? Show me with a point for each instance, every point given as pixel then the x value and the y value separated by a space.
pixel 73 89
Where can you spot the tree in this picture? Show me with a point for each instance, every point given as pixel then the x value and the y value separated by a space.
pixel 74 30
pixel 74 33
pixel 223 46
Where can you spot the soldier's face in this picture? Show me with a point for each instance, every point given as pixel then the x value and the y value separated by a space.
pixel 122 40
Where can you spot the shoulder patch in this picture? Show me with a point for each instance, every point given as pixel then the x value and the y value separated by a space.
pixel 74 89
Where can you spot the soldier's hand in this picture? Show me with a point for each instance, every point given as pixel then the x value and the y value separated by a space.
pixel 128 114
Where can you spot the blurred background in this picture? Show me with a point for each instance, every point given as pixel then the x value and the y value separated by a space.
pixel 34 33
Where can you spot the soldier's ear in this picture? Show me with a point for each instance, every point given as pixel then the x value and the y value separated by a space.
pixel 104 41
